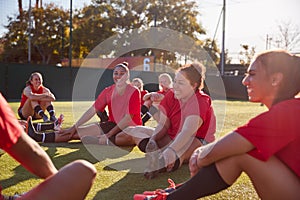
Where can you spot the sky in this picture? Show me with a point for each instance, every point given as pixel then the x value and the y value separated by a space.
pixel 246 21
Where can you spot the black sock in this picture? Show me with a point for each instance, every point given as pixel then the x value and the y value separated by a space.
pixel 51 110
pixel 143 143
pixel 144 109
pixel 146 117
pixel 43 127
pixel 36 136
pixel 39 111
pixel 206 182
pixel 49 137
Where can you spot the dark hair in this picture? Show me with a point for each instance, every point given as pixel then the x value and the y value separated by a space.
pixel 195 73
pixel 280 61
pixel 28 82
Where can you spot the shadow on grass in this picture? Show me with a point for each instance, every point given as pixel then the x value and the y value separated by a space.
pixel 135 183
pixel 62 154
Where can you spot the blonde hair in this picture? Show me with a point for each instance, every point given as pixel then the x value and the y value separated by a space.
pixel 168 77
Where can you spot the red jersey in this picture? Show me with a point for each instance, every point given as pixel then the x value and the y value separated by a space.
pixel 143 93
pixel 120 105
pixel 199 104
pixel 24 97
pixel 10 129
pixel 276 132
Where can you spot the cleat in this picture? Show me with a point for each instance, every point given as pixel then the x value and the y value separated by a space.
pixel 157 196
pixel 169 189
pixel 58 122
pixel 29 128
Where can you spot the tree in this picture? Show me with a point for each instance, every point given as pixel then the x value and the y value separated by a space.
pixel 20 8
pixel 180 16
pixel 46 35
pixel 92 25
pixel 246 54
pixel 288 37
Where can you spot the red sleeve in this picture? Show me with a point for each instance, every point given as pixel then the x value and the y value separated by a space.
pixel 166 103
pixel 10 129
pixel 101 101
pixel 271 131
pixel 135 106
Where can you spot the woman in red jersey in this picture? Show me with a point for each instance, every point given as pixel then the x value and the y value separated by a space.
pixel 36 99
pixel 152 99
pixel 266 148
pixel 186 122
pixel 123 103
pixel 30 155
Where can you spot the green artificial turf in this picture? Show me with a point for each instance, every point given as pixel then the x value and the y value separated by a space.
pixel 119 169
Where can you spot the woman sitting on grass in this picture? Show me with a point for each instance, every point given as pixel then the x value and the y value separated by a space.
pixel 186 122
pixel 124 106
pixel 266 148
pixel 152 99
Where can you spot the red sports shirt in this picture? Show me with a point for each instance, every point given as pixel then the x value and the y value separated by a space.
pixel 199 104
pixel 120 105
pixel 276 132
pixel 24 97
pixel 10 129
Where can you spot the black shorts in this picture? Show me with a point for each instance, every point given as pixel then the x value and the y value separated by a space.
pixel 107 126
pixel 24 118
pixel 20 114
pixel 203 141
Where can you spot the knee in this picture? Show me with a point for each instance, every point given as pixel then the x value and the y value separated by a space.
pixel 85 169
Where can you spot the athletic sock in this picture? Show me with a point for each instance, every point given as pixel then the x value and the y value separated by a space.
pixel 40 112
pixel 51 110
pixel 206 182
pixel 43 137
pixel 142 144
pixel 49 137
pixel 144 109
pixel 43 127
pixel 146 117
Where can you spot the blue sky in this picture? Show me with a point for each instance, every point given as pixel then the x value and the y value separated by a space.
pixel 247 21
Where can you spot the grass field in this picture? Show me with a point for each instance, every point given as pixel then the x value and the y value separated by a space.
pixel 118 176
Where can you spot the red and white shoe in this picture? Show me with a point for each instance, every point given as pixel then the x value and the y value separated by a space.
pixel 159 194
pixel 58 122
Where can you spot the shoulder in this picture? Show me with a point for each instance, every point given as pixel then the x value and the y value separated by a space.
pixel 44 89
pixel 131 88
pixel 204 98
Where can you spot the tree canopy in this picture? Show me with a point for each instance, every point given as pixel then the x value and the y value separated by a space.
pixel 95 23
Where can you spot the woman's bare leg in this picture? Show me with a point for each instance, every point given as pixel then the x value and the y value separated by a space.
pixel 27 109
pixel 271 179
pixel 89 130
pixel 64 185
pixel 185 155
